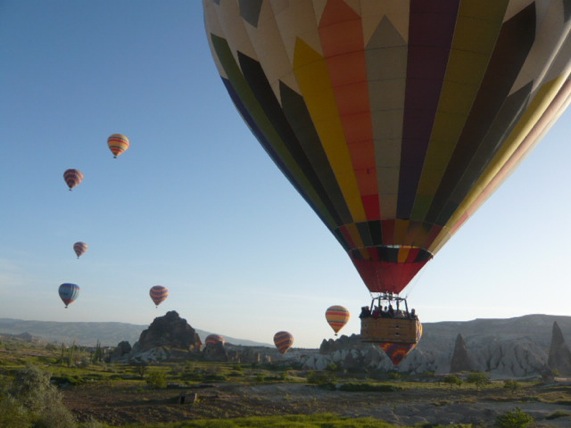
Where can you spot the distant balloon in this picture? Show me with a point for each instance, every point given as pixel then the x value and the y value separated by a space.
pixel 72 177
pixel 214 339
pixel 159 294
pixel 118 144
pixel 337 316
pixel 80 248
pixel 68 293
pixel 283 341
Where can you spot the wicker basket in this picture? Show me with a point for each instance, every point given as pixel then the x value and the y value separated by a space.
pixel 396 330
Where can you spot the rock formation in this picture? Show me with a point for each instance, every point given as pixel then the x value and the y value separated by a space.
pixel 168 337
pixel 121 350
pixel 170 331
pixel 460 359
pixel 559 359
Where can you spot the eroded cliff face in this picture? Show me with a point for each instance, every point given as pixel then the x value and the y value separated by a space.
pixel 514 348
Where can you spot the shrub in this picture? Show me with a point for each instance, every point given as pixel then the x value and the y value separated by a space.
pixel 452 379
pixel 32 389
pixel 478 378
pixel 320 378
pixel 514 419
pixel 512 385
pixel 157 379
pixel 13 414
pixel 367 387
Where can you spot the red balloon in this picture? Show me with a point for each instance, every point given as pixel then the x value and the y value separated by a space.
pixel 158 294
pixel 283 341
pixel 72 177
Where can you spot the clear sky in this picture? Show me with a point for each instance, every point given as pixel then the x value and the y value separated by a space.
pixel 197 206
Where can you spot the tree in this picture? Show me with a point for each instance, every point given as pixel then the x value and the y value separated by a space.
pixel 514 419
pixel 478 378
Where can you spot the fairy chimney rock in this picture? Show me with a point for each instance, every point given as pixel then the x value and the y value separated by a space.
pixel 559 355
pixel 460 359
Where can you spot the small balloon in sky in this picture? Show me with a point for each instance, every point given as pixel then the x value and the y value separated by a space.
pixel 283 341
pixel 68 293
pixel 118 144
pixel 158 294
pixel 72 177
pixel 337 316
pixel 80 248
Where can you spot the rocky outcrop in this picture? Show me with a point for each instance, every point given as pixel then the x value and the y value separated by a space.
pixel 121 350
pixel 559 359
pixel 168 337
pixel 461 361
pixel 170 331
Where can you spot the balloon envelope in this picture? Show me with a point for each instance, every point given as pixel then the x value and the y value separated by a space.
pixel 397 351
pixel 158 294
pixel 337 316
pixel 213 339
pixel 283 341
pixel 80 248
pixel 72 177
pixel 394 120
pixel 118 144
pixel 68 293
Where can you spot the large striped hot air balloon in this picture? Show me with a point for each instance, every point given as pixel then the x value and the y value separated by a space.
pixel 118 144
pixel 80 248
pixel 395 120
pixel 337 316
pixel 158 294
pixel 68 293
pixel 283 341
pixel 72 177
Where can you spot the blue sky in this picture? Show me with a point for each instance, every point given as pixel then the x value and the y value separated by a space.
pixel 197 206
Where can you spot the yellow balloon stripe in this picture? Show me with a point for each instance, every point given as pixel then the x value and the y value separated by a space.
pixel 310 70
pixel 266 127
pixel 523 128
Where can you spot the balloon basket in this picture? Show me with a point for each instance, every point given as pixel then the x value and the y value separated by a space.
pixel 383 322
pixel 395 330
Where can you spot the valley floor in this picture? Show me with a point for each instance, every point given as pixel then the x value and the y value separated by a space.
pixel 126 404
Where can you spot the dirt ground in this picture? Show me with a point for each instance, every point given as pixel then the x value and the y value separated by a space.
pixel 124 405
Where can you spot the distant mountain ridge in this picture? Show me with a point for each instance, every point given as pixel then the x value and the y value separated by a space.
pixel 89 333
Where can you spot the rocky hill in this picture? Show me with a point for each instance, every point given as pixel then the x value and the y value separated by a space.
pixel 89 333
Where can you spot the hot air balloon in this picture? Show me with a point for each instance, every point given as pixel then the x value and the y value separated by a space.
pixel 213 340
pixel 80 248
pixel 394 120
pixel 158 294
pixel 72 177
pixel 283 341
pixel 118 144
pixel 68 293
pixel 337 316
